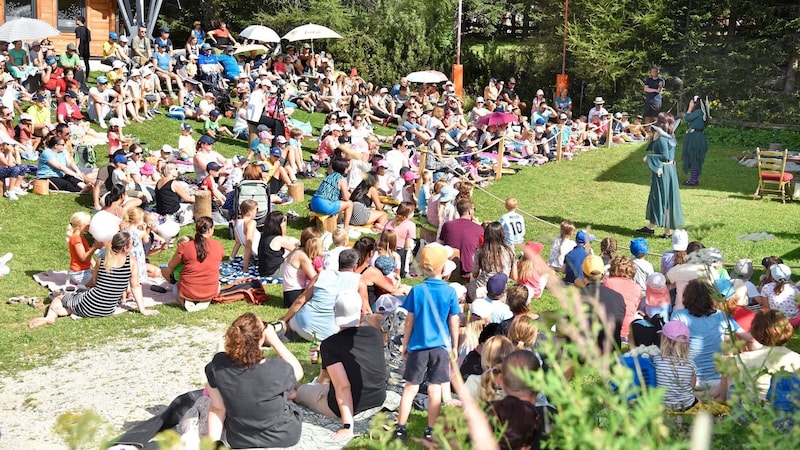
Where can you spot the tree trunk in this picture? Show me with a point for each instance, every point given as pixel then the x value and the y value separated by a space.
pixel 791 71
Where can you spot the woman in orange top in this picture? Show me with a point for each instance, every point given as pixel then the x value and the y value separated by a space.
pixel 201 257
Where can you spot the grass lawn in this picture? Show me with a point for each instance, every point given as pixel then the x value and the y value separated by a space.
pixel 605 190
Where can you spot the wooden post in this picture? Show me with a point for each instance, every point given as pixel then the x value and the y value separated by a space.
pixel 423 155
pixel 560 129
pixel 202 203
pixel 501 147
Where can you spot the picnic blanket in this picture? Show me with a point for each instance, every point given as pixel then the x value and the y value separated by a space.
pixel 57 280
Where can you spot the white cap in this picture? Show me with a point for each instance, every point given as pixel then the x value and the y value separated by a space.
pixel 479 100
pixel 562 116
pixel 136 73
pixel 347 309
pixel 540 92
pixel 539 129
pixel 166 148
pixel 123 38
pixel 386 304
pixel 117 64
pixel 116 122
pixel 481 307
pixel 25 116
pixel 336 127
pixel 618 115
pixel 460 289
pixel 384 90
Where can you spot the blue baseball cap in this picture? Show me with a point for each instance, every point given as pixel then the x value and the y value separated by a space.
pixel 206 140
pixel 583 237
pixel 50 60
pixel 275 151
pixel 113 35
pixel 206 46
pixel 186 127
pixel 102 80
pixel 120 159
pixel 213 165
pixel 165 29
pixel 639 247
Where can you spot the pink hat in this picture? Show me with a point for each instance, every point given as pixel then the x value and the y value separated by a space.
pixel 147 169
pixel 676 330
pixel 409 176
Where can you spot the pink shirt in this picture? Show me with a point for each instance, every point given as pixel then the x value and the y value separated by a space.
pixel 406 232
pixel 327 146
pixel 632 294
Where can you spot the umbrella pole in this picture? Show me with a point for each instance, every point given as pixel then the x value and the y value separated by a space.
pixel 500 149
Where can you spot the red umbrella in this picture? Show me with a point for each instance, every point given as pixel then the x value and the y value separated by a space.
pixel 498 118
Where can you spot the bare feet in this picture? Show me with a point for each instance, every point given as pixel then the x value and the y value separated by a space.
pixel 40 321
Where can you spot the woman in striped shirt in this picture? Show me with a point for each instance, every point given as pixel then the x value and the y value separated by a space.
pixel 112 276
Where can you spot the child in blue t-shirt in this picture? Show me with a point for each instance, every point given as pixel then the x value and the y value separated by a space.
pixel 513 223
pixel 431 332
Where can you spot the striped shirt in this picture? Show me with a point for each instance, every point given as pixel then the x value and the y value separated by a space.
pixel 329 188
pixel 514 226
pixel 675 375
pixel 102 299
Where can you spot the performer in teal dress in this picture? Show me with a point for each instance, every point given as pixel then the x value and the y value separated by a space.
pixel 664 202
pixel 695 144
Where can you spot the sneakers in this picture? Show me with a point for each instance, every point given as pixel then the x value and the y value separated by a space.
pixel 400 433
pixel 428 434
pixel 10 195
pixel 19 192
pixel 103 124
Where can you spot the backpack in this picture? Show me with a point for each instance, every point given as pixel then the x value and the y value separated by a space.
pixel 248 289
pixel 784 391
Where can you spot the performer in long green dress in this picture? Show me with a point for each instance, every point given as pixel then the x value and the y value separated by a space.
pixel 664 202
pixel 695 144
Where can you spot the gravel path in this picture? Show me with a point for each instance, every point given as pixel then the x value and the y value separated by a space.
pixel 126 382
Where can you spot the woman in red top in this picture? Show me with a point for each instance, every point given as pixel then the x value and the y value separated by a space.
pixel 201 257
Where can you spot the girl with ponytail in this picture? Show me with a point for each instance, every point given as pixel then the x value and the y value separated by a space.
pixel 486 387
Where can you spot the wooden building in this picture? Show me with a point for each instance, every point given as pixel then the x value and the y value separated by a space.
pixel 101 18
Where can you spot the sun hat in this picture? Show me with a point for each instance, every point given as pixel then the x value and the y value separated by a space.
pixel 676 330
pixel 25 116
pixel 593 265
pixel 680 240
pixel 136 73
pixel 117 64
pixel 599 100
pixel 481 308
pixel 743 270
pixel 780 272
pixel 347 309
pixel 656 291
pixel 433 257
pixel 639 247
pixel 447 194
pixel 479 100
pixel 724 287
pixel 385 264
pixel 386 303
pixel 535 247
pixel 147 169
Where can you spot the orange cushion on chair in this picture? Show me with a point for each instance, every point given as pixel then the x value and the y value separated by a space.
pixel 776 177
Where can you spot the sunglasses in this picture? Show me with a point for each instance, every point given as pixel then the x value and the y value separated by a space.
pixel 138 153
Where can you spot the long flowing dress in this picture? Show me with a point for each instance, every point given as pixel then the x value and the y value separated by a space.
pixel 664 202
pixel 695 144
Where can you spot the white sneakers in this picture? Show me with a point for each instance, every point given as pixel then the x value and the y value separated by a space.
pixel 10 195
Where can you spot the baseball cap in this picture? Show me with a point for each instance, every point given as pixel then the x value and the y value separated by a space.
pixel 724 287
pixel 535 247
pixel 121 159
pixel 113 35
pixel 539 92
pixel 71 46
pixel 386 303
pixel 265 135
pixel 680 240
pixel 336 127
pixel 165 29
pixel 618 115
pixel 136 73
pixel 206 139
pixel 25 116
pixel 385 264
pixel 481 308
pixel 460 289
pixel 210 94
pixel 562 116
pixel 229 48
pixel 185 126
pixel 166 148
pixel 206 46
pixel 479 100
pixel 116 122
pixel 593 265
pixel 676 330
pixel 583 237
pixel 275 151
pixel 639 247
pixel 37 97
pixel 347 309
pixel 780 272
pixel 102 80
pixel 382 163
pixel 213 165
pixel 214 113
pixel 50 60
pixel 76 114
pixel 433 257
pixel 409 176
pixel 123 38
pixel 147 169
pixel 496 284
pixel 280 139
pixel 117 64
pixel 743 270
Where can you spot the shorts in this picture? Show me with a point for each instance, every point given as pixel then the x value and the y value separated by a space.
pixel 79 277
pixel 315 398
pixel 361 214
pixel 290 296
pixel 324 206
pixel 432 364
pixel 652 108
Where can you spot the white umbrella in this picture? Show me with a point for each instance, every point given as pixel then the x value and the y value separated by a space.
pixel 258 48
pixel 309 32
pixel 260 33
pixel 25 29
pixel 426 76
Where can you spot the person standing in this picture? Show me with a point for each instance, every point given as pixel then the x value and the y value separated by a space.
pixel 664 202
pixel 653 87
pixel 695 144
pixel 82 38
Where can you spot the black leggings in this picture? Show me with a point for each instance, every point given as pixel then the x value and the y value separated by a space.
pixel 66 183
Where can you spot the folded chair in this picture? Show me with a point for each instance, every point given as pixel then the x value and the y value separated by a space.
pixel 772 176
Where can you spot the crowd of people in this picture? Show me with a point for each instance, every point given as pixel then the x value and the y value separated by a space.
pixel 481 279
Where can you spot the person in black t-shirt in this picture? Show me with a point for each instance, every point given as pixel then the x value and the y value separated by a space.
pixel 83 36
pixel 509 95
pixel 652 92
pixel 249 394
pixel 353 360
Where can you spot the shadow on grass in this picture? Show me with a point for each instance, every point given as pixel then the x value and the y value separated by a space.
pixel 720 171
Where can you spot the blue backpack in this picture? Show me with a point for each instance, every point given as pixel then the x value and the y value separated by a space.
pixel 784 392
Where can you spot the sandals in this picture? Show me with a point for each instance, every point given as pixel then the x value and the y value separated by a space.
pixel 645 230
pixel 33 302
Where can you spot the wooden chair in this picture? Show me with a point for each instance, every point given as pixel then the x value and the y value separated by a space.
pixel 772 176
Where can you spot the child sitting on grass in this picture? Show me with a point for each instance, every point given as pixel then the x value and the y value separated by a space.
pixel 674 370
pixel 431 331
pixel 562 245
pixel 212 127
pixel 80 253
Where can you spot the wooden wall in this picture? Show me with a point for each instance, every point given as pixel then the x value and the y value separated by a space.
pixel 100 17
